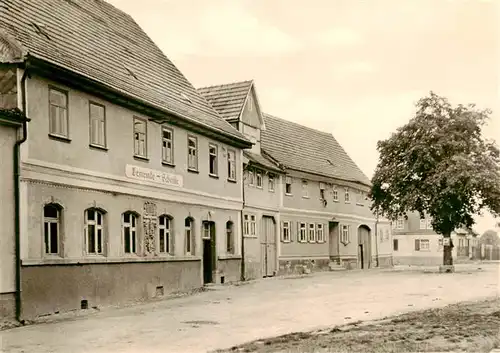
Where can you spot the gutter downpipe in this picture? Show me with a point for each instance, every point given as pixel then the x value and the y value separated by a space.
pixel 376 238
pixel 242 275
pixel 17 211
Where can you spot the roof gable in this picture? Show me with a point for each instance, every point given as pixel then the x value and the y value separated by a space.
pixel 228 99
pixel 304 149
pixel 96 40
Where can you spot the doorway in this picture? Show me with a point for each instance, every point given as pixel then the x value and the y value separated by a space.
pixel 333 240
pixel 209 252
pixel 268 246
pixel 364 247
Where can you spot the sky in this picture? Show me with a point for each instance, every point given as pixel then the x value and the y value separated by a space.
pixel 350 67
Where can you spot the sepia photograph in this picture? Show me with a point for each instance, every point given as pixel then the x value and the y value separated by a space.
pixel 249 176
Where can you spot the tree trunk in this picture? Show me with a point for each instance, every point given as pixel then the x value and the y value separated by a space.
pixel 447 248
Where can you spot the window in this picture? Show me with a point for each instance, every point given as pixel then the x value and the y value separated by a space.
pixel 129 224
pixel 94 231
pixel 423 223
pixel 347 196
pixel 440 242
pixel 97 125
pixel 231 165
pixel 164 239
pixel 288 185
pixel 188 235
pixel 429 223
pixel 212 159
pixel 167 148
pixel 400 223
pixel 302 233
pixel 335 194
pixel 305 189
pixel 206 230
pixel 271 182
pixel 192 153
pixel 253 225
pixel 344 234
pixel 312 233
pixel 395 244
pixel 259 179
pixel 246 225
pixel 320 238
pixel 58 112
pixel 140 138
pixel 421 244
pixel 285 231
pixel 249 225
pixel 51 228
pixel 251 180
pixel 229 238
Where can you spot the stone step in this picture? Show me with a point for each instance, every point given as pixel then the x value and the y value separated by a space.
pixel 336 267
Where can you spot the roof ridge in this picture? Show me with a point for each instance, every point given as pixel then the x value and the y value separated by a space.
pixel 225 84
pixel 295 123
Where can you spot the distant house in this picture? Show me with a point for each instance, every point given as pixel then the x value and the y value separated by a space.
pixel 316 214
pixel 416 243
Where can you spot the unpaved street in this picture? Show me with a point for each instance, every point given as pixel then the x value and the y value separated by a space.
pixel 233 315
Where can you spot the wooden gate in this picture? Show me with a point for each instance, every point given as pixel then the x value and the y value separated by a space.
pixel 268 246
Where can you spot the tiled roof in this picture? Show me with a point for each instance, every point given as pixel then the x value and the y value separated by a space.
pixel 261 160
pixel 96 40
pixel 227 99
pixel 308 150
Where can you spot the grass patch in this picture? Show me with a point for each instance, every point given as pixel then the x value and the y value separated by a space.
pixel 466 327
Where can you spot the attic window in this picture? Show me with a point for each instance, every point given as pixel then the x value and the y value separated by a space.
pixel 130 72
pixel 186 98
pixel 40 29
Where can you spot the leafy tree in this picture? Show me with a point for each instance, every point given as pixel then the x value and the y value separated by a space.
pixel 439 165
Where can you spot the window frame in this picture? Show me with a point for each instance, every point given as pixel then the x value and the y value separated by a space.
pixel 47 238
pixel 320 230
pixel 285 225
pixel 259 177
pixel 429 223
pixel 427 247
pixel 166 227
pixel 145 133
pixel 66 109
pixel 288 182
pixel 251 179
pixel 302 232
pixel 400 224
pixel 345 234
pixel 347 195
pixel 231 165
pixel 311 233
pixel 171 140
pixel 133 233
pixel 305 189
pixel 97 227
pixel 253 225
pixel 423 223
pixel 270 182
pixel 189 150
pixel 230 240
pixel 96 144
pixel 335 194
pixel 188 236
pixel 215 156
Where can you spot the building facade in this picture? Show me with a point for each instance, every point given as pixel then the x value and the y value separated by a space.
pixel 131 184
pixel 315 208
pixel 416 243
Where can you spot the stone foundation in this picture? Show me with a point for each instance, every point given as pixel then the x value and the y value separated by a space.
pixel 302 266
pixel 7 305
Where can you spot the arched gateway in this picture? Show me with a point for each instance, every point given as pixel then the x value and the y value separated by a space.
pixel 364 247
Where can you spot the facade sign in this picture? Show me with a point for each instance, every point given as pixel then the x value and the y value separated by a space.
pixel 153 176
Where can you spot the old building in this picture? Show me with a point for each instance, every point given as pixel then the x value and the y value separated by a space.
pixel 416 243
pixel 315 207
pixel 238 104
pixel 130 182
